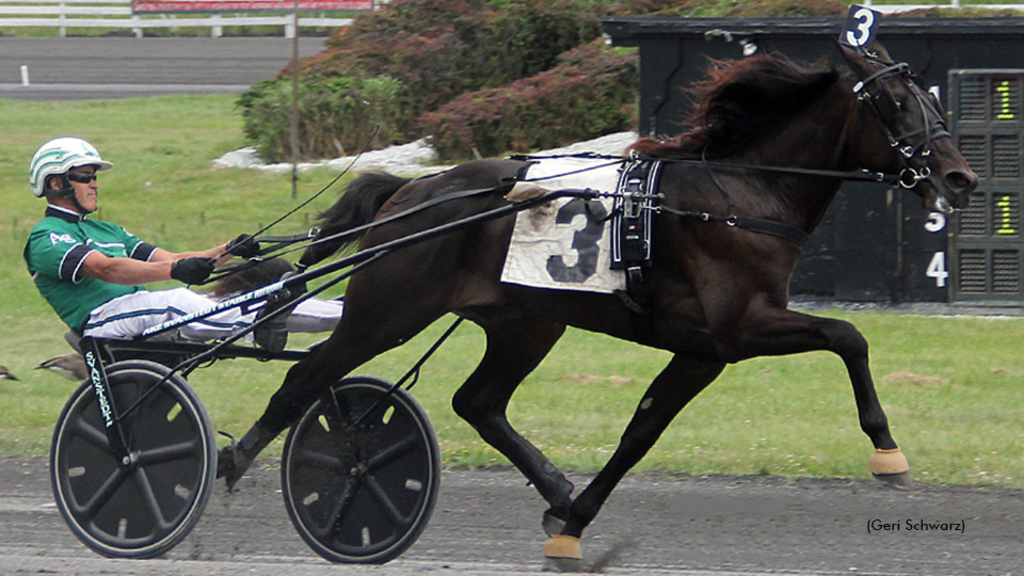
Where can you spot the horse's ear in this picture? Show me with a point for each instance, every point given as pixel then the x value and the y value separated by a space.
pixel 858 58
pixel 879 51
pixel 854 59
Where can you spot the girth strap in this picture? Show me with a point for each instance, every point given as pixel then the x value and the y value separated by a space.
pixel 632 216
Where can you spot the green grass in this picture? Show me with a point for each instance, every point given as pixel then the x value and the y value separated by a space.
pixel 951 385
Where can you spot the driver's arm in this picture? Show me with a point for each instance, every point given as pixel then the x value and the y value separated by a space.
pixel 132 272
pixel 126 271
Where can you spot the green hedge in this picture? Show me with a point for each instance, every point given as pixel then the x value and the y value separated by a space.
pixel 337 115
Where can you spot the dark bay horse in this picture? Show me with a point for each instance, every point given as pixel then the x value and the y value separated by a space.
pixel 718 293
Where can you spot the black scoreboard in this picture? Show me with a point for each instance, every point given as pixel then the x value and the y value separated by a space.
pixel 985 245
pixel 875 243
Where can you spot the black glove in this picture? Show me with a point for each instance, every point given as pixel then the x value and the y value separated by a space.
pixel 244 246
pixel 192 270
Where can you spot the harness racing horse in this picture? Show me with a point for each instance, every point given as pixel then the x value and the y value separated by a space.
pixel 770 143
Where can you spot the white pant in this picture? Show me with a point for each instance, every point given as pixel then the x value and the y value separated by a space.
pixel 131 314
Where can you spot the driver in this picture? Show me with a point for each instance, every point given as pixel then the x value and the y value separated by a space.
pixel 92 272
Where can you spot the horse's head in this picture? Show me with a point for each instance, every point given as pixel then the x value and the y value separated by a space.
pixel 911 120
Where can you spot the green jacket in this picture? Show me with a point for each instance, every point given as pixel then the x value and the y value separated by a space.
pixel 56 248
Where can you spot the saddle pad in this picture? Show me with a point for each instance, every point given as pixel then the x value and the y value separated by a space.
pixel 565 244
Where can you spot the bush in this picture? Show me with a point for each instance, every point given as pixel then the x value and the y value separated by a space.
pixel 335 115
pixel 438 49
pixel 591 93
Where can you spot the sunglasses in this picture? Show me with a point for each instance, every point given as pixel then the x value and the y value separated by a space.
pixel 82 177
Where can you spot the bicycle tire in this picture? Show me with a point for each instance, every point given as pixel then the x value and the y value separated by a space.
pixel 361 490
pixel 146 509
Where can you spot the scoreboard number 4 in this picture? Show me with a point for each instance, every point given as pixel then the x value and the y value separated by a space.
pixel 937 269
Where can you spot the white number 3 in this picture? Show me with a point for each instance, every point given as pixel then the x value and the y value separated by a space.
pixel 862 34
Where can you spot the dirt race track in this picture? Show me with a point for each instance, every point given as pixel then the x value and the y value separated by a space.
pixel 488 523
pixel 87 68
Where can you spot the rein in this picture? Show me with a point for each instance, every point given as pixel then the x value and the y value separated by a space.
pixel 282 242
pixel 757 225
pixel 851 175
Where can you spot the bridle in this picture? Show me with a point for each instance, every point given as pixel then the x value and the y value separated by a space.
pixel 886 106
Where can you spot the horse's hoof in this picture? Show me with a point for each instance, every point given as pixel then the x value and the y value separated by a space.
pixel 902 481
pixel 890 466
pixel 563 554
pixel 565 565
pixel 552 524
pixel 231 465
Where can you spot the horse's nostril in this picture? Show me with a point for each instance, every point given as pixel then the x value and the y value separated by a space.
pixel 962 181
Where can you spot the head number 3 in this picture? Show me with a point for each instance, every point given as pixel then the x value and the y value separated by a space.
pixel 860 26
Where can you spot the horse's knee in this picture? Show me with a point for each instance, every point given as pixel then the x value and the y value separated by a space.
pixel 846 340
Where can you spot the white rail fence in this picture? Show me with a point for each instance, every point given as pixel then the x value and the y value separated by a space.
pixel 120 14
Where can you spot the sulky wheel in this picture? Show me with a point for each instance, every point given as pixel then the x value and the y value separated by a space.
pixel 360 472
pixel 146 508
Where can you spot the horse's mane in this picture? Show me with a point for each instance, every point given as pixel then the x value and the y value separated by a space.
pixel 741 102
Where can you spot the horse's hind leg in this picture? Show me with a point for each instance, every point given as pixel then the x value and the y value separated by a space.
pixel 675 386
pixel 514 348
pixel 359 336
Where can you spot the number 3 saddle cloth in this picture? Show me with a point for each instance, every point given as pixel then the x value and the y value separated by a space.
pixel 583 244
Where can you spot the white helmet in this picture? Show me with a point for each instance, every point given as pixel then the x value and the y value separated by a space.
pixel 58 156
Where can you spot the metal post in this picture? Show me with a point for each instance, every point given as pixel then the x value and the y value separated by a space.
pixel 295 105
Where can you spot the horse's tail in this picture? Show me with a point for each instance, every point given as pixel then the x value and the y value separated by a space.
pixel 250 278
pixel 362 199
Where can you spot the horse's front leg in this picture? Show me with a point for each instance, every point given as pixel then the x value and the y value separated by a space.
pixel 677 384
pixel 777 331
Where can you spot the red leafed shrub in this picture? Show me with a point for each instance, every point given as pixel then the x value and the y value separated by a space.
pixel 591 93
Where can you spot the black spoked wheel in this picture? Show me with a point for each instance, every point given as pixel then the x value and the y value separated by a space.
pixel 361 470
pixel 145 509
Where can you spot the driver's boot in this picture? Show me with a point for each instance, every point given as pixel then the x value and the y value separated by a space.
pixel 235 459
